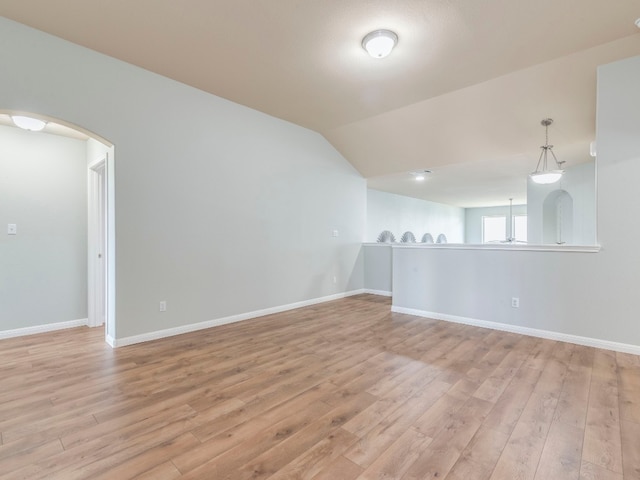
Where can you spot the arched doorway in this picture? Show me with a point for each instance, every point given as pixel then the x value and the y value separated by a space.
pixel 98 182
pixel 557 218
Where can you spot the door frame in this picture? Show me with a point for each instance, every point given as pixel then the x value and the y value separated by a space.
pixel 97 248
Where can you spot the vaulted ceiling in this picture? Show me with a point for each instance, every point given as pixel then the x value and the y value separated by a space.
pixel 467 84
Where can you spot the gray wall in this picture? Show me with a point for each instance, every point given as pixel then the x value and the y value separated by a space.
pixel 378 268
pixel 587 294
pixel 219 209
pixel 473 220
pixel 397 213
pixel 43 190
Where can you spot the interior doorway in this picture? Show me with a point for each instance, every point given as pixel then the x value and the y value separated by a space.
pixel 101 238
pixel 96 237
pixel 96 157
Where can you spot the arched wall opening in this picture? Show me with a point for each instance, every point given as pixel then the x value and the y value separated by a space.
pixel 97 175
pixel 557 218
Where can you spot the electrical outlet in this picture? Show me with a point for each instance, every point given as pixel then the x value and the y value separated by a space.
pixel 163 306
pixel 515 302
pixel 335 233
pixel 12 229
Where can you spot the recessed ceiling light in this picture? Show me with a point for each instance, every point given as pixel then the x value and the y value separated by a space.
pixel 28 123
pixel 379 43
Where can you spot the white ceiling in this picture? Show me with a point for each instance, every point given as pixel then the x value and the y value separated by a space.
pixel 468 83
pixel 481 184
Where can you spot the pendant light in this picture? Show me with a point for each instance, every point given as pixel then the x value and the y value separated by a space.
pixel 545 176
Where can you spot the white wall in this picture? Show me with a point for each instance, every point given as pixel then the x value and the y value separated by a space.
pixel 473 220
pixel 398 214
pixel 96 151
pixel 582 294
pixel 219 209
pixel 579 182
pixel 43 190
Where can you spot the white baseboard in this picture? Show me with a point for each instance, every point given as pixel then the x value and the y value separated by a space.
pixel 170 332
pixel 49 327
pixel 383 293
pixel 532 332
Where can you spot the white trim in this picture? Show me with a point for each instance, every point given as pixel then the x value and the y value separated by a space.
pixel 532 332
pixel 97 255
pixel 97 163
pixel 383 293
pixel 170 332
pixel 518 247
pixel 110 341
pixel 49 327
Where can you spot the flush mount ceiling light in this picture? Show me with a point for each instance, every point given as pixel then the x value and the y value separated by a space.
pixel 379 43
pixel 420 175
pixel 545 176
pixel 28 123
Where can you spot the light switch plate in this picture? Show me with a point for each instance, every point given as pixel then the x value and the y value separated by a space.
pixel 12 229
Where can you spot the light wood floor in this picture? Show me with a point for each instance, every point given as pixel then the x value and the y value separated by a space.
pixel 343 390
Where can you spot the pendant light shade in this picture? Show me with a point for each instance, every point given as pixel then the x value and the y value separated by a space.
pixel 379 43
pixel 543 175
pixel 544 178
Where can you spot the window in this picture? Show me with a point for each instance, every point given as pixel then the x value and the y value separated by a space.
pixel 494 229
pixel 520 228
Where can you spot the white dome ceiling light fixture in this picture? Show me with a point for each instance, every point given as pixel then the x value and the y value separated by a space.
pixel 28 123
pixel 379 43
pixel 543 175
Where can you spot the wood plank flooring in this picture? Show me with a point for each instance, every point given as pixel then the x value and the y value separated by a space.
pixel 342 390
